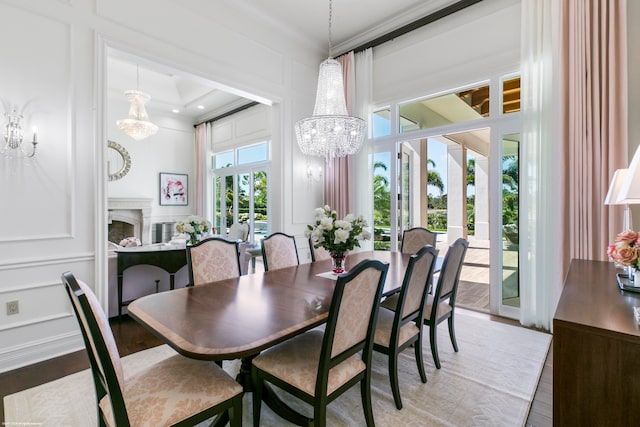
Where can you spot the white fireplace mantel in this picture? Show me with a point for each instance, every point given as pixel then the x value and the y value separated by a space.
pixel 135 211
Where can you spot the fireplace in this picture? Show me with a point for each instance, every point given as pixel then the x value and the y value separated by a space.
pixel 129 216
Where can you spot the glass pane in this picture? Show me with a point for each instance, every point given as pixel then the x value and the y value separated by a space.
pixel 436 170
pixel 223 160
pixel 261 220
pixel 228 204
pixel 217 205
pixel 405 195
pixel 510 211
pixel 253 154
pixel 381 201
pixel 511 95
pixel 382 123
pixel 243 194
pixel 469 104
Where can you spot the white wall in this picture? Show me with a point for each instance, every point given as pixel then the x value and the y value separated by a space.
pixel 53 217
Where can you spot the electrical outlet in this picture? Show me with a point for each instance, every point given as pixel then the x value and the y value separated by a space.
pixel 12 308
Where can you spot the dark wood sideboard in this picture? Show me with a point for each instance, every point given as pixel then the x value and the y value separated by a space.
pixel 596 350
pixel 169 258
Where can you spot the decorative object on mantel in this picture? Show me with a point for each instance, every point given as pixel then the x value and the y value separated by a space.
pixel 130 242
pixel 195 227
pixel 337 236
pixel 174 189
pixel 330 132
pixel 625 252
pixel 137 125
pixel 14 135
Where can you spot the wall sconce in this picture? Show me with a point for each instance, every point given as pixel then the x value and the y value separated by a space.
pixel 314 173
pixel 13 136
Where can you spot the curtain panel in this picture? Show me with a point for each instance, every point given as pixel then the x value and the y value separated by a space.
pixel 574 127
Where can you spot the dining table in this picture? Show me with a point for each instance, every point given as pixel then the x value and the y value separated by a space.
pixel 240 317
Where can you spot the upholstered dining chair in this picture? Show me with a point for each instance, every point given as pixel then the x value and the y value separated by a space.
pixel 318 366
pixel 174 391
pixel 416 238
pixel 278 251
pixel 396 331
pixel 213 259
pixel 441 305
pixel 318 254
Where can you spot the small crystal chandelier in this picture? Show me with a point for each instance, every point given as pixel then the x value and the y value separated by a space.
pixel 330 132
pixel 14 135
pixel 137 126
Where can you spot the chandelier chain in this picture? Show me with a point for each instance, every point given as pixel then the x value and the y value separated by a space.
pixel 330 15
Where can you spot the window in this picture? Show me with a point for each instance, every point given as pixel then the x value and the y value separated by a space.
pixel 241 189
pixel 454 107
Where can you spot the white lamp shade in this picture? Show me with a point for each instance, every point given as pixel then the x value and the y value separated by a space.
pixel 630 188
pixel 613 195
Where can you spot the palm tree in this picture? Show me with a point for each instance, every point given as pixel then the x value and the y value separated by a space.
pixel 433 177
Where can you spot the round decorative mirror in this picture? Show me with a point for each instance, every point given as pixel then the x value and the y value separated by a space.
pixel 118 161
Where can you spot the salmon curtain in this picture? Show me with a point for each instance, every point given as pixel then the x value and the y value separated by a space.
pixel 200 180
pixel 574 136
pixel 338 171
pixel 594 68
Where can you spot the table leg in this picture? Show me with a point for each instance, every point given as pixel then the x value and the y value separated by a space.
pixel 172 281
pixel 269 396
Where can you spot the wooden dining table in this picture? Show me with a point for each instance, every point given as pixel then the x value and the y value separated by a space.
pixel 238 318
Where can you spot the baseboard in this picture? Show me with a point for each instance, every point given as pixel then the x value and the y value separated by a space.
pixel 38 351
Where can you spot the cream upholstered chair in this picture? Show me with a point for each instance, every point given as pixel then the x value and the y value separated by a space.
pixel 441 305
pixel 319 366
pixel 416 238
pixel 174 391
pixel 213 259
pixel 278 251
pixel 318 254
pixel 396 331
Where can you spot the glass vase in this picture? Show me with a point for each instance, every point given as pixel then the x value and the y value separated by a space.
pixel 337 263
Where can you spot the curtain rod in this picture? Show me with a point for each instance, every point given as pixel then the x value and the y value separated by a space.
pixel 432 17
pixel 229 113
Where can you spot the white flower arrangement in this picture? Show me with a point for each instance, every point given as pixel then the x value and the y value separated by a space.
pixel 193 225
pixel 337 236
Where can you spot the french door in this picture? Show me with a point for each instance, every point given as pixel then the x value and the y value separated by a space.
pixel 242 195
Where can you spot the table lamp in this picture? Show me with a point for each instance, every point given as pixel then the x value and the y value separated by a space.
pixel 629 193
pixel 614 196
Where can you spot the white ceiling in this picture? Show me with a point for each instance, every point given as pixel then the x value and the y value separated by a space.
pixel 354 22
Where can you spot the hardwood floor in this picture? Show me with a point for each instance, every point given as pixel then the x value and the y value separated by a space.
pixel 131 337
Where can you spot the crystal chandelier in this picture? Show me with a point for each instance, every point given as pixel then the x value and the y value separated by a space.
pixel 137 125
pixel 330 132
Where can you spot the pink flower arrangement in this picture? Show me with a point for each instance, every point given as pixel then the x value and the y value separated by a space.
pixel 626 249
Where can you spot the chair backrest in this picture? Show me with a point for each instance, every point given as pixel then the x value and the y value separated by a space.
pixel 416 238
pixel 213 259
pixel 352 317
pixel 318 254
pixel 415 286
pixel 450 273
pixel 278 251
pixel 106 368
pixel 246 228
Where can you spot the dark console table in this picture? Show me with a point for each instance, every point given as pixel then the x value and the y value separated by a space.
pixel 169 258
pixel 596 350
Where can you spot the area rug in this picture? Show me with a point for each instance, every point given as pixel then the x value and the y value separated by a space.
pixel 489 382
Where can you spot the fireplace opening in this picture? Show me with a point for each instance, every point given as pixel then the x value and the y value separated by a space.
pixel 118 230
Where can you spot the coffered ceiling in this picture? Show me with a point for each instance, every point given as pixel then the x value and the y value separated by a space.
pixel 354 22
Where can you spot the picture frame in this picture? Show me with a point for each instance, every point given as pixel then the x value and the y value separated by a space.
pixel 174 189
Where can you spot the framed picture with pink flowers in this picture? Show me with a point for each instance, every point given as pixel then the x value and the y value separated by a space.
pixel 174 189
